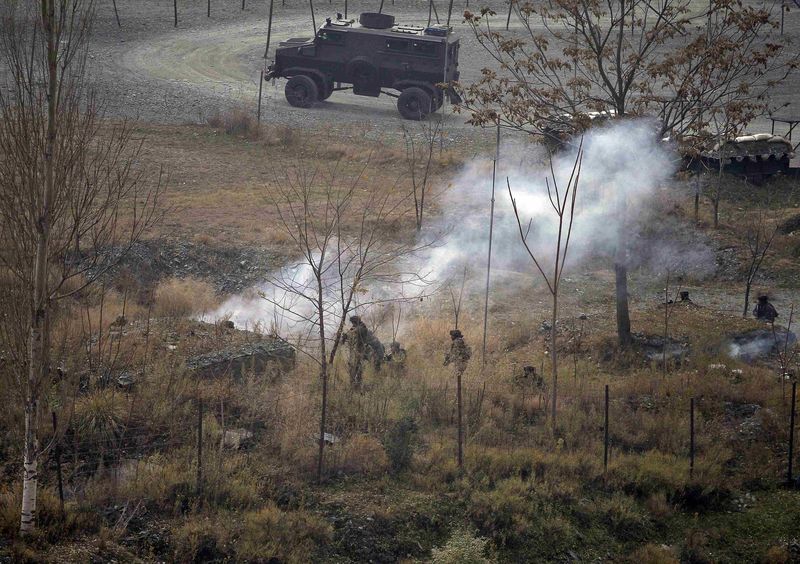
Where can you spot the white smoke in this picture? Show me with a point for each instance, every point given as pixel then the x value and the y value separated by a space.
pixel 622 162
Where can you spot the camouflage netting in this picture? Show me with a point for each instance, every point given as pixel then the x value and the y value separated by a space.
pixel 235 360
pixel 760 146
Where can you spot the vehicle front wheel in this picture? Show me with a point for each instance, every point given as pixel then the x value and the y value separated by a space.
pixel 301 91
pixel 414 103
pixel 326 92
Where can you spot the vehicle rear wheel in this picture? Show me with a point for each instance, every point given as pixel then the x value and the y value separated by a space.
pixel 438 100
pixel 301 91
pixel 414 103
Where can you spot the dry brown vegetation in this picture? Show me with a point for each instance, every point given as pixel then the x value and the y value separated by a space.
pixel 527 491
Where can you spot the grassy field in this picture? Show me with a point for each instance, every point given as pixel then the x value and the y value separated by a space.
pixel 529 491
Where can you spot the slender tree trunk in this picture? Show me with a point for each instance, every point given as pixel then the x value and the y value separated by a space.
pixel 38 337
pixel 460 421
pixel 323 375
pixel 623 314
pixel 748 286
pixel 553 352
pixel 621 277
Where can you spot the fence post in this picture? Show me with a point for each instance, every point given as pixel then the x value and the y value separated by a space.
pixel 57 453
pixel 789 471
pixel 200 448
pixel 691 438
pixel 605 435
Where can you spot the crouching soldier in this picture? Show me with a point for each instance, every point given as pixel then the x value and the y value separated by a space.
pixel 396 360
pixel 765 311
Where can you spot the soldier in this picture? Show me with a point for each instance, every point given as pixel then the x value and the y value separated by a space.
pixel 396 359
pixel 765 311
pixel 459 354
pixel 356 337
pixel 375 350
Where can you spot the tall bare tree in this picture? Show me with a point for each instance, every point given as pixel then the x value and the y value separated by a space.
pixel 420 160
pixel 626 57
pixel 71 200
pixel 562 201
pixel 346 260
pixel 759 233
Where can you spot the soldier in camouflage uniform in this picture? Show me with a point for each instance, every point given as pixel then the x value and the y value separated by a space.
pixel 356 338
pixel 765 311
pixel 459 354
pixel 396 359
pixel 364 345
pixel 375 350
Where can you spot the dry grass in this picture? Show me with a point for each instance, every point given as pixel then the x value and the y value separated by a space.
pixel 178 298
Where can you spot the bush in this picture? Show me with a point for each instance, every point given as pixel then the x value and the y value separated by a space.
pixel 201 540
pixel 176 298
pixel 399 444
pixel 461 548
pixel 236 121
pixel 652 554
pixel 289 536
pixel 623 518
pixel 363 455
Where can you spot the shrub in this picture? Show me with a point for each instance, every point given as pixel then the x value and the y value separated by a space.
pixel 399 444
pixel 461 548
pixel 289 536
pixel 236 121
pixel 623 517
pixel 201 540
pixel 652 554
pixel 364 455
pixel 176 298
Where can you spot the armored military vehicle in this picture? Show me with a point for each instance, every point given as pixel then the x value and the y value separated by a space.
pixel 371 57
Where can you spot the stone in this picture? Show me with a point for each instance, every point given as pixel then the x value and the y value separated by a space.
pixel 236 438
pixel 235 361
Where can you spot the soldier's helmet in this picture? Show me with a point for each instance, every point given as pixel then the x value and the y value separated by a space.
pixel 763 297
pixel 455 334
pixel 394 347
pixel 355 320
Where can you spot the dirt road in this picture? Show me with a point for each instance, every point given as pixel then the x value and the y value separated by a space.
pixel 155 72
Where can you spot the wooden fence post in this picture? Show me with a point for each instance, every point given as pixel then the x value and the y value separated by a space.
pixel 605 435
pixel 691 438
pixel 200 448
pixel 789 470
pixel 57 453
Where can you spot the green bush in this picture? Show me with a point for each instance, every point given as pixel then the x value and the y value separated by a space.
pixel 461 548
pixel 201 540
pixel 400 443
pixel 289 536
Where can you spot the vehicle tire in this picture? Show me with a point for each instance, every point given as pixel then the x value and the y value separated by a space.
pixel 301 91
pixel 326 92
pixel 438 100
pixel 414 103
pixel 373 20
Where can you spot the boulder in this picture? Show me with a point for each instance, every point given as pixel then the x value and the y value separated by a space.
pixel 235 361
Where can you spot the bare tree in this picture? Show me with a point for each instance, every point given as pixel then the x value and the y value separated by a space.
pixel 346 261
pixel 562 201
pixel 419 159
pixel 759 232
pixel 71 200
pixel 629 58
